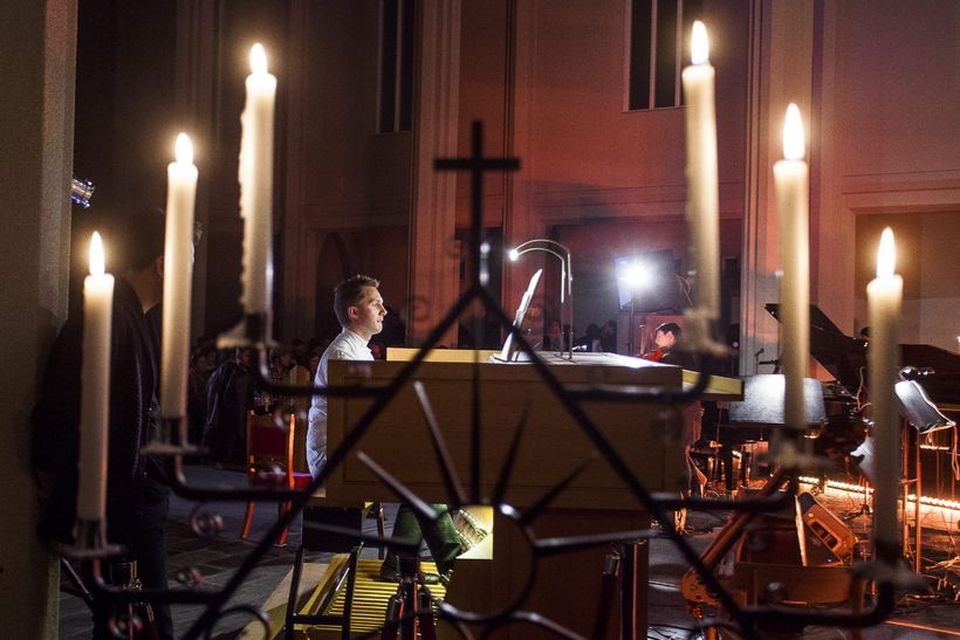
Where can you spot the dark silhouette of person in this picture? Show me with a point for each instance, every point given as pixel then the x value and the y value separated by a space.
pixel 137 497
pixel 229 397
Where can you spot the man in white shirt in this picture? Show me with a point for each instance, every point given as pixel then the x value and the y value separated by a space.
pixel 359 308
pixel 360 311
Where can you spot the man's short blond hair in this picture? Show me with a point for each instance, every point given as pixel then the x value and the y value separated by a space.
pixel 349 293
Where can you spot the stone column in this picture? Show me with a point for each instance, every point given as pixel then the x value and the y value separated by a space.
pixel 195 108
pixel 37 64
pixel 780 72
pixel 521 220
pixel 434 253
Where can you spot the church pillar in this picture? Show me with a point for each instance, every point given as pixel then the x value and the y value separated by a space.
pixel 36 126
pixel 521 220
pixel 833 223
pixel 195 107
pixel 434 253
pixel 780 71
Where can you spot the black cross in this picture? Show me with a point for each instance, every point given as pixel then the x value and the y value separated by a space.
pixel 477 165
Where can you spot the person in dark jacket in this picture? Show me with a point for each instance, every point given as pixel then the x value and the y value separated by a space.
pixel 229 397
pixel 137 498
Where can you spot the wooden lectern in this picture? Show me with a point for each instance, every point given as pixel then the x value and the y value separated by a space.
pixel 567 586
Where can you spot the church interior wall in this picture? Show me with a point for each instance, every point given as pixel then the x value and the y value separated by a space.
pixel 350 179
pixel 588 163
pixel 899 97
pixel 485 86
pixel 892 120
pixel 927 260
pixel 586 157
pixel 345 162
pixel 584 138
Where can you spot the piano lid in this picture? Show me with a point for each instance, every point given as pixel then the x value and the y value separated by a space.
pixel 839 354
pixel 844 357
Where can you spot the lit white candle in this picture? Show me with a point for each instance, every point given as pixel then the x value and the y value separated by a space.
pixel 884 297
pixel 256 184
pixel 178 280
pixel 790 177
pixel 702 182
pixel 95 386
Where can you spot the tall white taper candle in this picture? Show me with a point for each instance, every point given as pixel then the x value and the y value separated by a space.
pixel 702 181
pixel 884 298
pixel 256 184
pixel 95 386
pixel 790 176
pixel 178 280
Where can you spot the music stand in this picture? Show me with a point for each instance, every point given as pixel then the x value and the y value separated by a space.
pixel 918 409
pixel 762 406
pixel 922 414
pixel 763 396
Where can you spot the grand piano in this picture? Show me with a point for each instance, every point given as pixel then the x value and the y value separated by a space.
pixel 566 587
pixel 845 357
pixel 935 370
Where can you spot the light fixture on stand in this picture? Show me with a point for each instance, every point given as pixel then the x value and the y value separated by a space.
pixel 633 276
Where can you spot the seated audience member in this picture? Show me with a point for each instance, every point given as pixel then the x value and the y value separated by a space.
pixel 229 397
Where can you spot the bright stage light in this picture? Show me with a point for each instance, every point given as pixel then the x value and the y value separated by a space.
pixel 637 276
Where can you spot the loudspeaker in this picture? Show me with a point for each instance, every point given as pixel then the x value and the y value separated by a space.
pixel 827 539
pixel 811 535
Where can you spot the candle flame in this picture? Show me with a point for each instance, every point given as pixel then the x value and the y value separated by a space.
pixel 699 44
pixel 258 59
pixel 793 138
pixel 184 149
pixel 886 254
pixel 96 255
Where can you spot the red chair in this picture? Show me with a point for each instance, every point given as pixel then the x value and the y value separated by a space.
pixel 270 445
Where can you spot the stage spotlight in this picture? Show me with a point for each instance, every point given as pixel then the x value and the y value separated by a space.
pixel 637 275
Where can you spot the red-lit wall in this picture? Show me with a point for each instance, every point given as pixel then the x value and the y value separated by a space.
pixel 554 95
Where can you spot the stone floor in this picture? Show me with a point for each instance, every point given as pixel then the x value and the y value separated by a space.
pixel 217 559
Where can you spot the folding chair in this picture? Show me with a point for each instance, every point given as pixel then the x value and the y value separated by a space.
pixel 270 445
